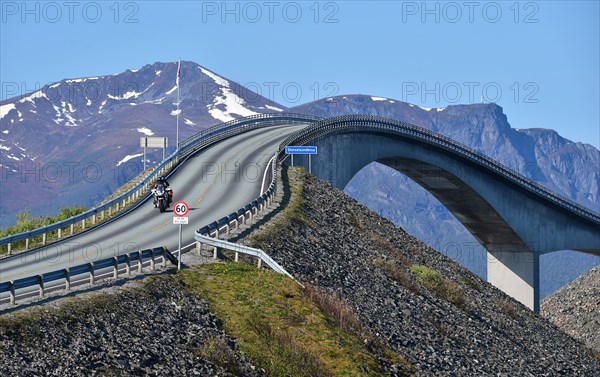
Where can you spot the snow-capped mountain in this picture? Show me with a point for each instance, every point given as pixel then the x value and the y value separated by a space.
pixel 75 141
pixel 568 168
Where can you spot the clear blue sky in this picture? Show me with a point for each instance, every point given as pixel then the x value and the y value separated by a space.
pixel 539 60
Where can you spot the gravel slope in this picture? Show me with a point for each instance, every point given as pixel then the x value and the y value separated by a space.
pixel 340 245
pixel 575 308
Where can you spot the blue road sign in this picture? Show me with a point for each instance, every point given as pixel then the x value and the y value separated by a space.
pixel 302 149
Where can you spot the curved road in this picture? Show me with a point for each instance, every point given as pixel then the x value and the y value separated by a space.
pixel 215 183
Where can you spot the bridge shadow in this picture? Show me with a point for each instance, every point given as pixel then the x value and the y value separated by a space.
pixel 285 200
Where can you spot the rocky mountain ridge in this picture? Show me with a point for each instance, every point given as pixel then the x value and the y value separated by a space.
pixel 568 168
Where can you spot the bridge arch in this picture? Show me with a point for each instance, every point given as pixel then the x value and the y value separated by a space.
pixel 514 218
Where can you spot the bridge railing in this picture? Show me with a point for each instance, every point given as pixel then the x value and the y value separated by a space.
pixel 140 191
pixel 349 123
pixel 86 273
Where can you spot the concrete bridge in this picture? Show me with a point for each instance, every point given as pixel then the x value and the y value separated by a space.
pixel 514 218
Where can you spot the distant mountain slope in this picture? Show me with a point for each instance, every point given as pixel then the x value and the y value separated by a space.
pixel 568 168
pixel 575 308
pixel 75 141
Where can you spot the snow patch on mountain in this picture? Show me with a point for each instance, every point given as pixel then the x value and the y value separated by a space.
pixel 379 99
pixel 172 90
pixel 37 95
pixel 273 108
pixel 128 95
pixel 83 79
pixel 129 157
pixel 158 72
pixel 145 131
pixel 5 109
pixel 189 122
pixel 229 100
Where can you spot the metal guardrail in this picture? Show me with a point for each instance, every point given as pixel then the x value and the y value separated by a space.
pixel 237 248
pixel 187 147
pixel 369 123
pixel 88 269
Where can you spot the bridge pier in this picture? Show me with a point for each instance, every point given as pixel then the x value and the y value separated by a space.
pixel 517 274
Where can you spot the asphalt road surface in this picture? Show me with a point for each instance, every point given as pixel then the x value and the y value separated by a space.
pixel 214 183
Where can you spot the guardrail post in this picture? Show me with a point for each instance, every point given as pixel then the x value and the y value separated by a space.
pixel 83 224
pixel 152 266
pixel 259 264
pixel 72 229
pixel 215 252
pixel 198 247
pixel 8 247
pixel 102 215
pixel 12 292
pixel 128 265
pixel 59 233
pixel 44 239
pixel 117 209
pixel 109 211
pixel 140 260
pixel 94 219
pixel 228 227
pixel 115 267
pixel 67 280
pixel 27 244
pixel 164 260
pixel 236 256
pixel 92 273
pixel 41 284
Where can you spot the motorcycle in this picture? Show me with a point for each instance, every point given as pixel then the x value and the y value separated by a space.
pixel 162 197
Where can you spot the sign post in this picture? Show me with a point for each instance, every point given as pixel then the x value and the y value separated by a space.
pixel 180 209
pixel 153 142
pixel 302 149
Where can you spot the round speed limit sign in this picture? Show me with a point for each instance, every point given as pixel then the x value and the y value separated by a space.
pixel 181 209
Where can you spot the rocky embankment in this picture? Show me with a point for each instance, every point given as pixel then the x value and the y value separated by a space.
pixel 433 317
pixel 440 317
pixel 575 308
pixel 154 328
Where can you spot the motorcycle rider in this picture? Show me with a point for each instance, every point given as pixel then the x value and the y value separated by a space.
pixel 162 181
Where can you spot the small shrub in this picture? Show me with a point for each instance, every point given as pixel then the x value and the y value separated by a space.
pixel 337 309
pixel 392 271
pixel 469 283
pixel 441 287
pixel 217 351
pixel 507 308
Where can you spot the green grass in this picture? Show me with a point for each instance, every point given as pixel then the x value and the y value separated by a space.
pixel 26 222
pixel 291 216
pixel 278 326
pixel 470 283
pixel 445 289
